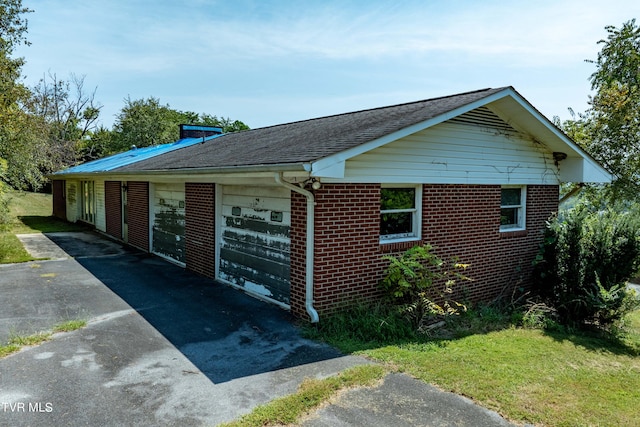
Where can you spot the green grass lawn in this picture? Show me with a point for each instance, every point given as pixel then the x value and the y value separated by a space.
pixel 552 378
pixel 28 213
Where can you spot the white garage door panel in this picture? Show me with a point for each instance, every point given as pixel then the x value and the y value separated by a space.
pixel 255 244
pixel 168 221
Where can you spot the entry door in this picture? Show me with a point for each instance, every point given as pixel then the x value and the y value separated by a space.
pixel 255 242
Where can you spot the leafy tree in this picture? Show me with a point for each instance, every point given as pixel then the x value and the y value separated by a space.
pixel 18 152
pixel 96 145
pixel 146 122
pixel 226 124
pixel 68 115
pixel 610 128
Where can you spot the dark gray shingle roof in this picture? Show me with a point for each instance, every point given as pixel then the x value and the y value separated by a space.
pixel 308 140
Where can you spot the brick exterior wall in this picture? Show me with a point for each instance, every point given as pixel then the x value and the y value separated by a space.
pixel 59 200
pixel 113 208
pixel 458 220
pixel 200 228
pixel 347 263
pixel 298 233
pixel 138 214
pixel 464 221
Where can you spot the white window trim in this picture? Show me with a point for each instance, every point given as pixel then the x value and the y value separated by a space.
pixel 417 216
pixel 522 210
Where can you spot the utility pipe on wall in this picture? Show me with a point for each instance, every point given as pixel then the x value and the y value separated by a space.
pixel 310 244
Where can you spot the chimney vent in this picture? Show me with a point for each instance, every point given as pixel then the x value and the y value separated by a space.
pixel 198 131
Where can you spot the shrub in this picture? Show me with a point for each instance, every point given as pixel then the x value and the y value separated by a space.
pixel 584 263
pixel 420 284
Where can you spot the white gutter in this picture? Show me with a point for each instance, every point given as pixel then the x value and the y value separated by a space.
pixel 310 244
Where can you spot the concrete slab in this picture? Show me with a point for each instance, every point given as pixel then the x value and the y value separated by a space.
pixel 41 247
pixel 74 244
pixel 402 401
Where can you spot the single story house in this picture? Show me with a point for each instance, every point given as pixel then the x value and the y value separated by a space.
pixel 300 214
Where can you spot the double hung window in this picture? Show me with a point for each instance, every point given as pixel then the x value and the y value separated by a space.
pixel 512 208
pixel 399 213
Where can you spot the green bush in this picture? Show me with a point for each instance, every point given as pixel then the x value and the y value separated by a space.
pixel 584 263
pixel 420 284
pixel 4 208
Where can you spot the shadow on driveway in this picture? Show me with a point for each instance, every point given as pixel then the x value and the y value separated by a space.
pixel 222 331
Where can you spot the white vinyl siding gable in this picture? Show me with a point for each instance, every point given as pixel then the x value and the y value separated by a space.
pixel 457 153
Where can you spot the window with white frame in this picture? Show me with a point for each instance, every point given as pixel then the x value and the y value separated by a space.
pixel 513 202
pixel 399 213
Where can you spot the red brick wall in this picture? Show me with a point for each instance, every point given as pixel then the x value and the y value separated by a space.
pixel 138 214
pixel 113 208
pixel 59 200
pixel 347 261
pixel 464 221
pixel 298 233
pixel 200 228
pixel 458 220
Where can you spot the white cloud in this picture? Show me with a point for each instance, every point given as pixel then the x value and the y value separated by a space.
pixel 330 56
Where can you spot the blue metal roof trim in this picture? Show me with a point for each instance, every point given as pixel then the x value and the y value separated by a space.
pixel 134 155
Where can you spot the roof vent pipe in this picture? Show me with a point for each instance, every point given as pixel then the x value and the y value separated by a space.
pixel 310 245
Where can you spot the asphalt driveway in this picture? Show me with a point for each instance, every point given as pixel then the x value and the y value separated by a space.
pixel 166 347
pixel 162 347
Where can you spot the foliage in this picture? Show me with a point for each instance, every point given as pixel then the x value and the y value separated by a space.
pixel 4 201
pixel 363 325
pixel 12 24
pixel 14 138
pixel 419 282
pixel 146 122
pixel 98 144
pixel 610 129
pixel 584 263
pixel 531 376
pixel 67 115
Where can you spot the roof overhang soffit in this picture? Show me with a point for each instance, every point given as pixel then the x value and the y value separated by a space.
pixel 579 166
pixel 334 166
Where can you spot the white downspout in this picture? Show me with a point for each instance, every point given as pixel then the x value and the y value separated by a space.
pixel 310 244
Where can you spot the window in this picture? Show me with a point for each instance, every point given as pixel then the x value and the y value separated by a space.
pixel 512 208
pixel 88 207
pixel 399 213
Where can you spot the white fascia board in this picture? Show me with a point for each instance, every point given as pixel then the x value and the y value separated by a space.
pixel 330 164
pixel 334 169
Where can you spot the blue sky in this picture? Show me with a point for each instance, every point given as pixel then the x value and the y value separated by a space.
pixel 270 62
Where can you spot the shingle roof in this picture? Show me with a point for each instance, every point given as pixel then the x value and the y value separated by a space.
pixel 308 140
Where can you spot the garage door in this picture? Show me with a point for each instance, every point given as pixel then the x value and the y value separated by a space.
pixel 168 221
pixel 255 242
